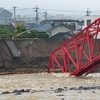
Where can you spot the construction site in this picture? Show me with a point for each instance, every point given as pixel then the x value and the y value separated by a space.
pixel 47 69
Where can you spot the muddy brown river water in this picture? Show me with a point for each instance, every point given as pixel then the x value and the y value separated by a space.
pixel 45 84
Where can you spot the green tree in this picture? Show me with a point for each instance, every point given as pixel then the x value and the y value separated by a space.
pixel 4 31
pixel 20 29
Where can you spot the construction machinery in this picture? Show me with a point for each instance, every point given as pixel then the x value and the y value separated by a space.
pixel 80 55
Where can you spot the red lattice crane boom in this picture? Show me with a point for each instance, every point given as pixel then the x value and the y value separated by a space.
pixel 80 55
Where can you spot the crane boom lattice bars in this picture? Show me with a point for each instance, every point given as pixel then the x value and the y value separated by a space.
pixel 80 55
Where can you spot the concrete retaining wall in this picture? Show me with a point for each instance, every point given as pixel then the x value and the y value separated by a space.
pixel 34 51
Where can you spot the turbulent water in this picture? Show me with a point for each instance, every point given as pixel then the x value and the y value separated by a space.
pixel 45 84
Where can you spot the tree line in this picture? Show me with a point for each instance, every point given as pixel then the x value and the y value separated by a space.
pixel 6 31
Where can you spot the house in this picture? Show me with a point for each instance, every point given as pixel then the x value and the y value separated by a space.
pixel 5 16
pixel 52 29
pixel 63 35
pixel 59 28
pixel 71 23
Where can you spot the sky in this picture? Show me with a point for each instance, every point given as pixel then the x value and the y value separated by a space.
pixel 79 6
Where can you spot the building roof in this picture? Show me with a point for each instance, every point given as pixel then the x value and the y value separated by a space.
pixel 46 27
pixel 5 13
pixel 19 23
pixel 59 20
pixel 63 35
pixel 43 27
pixel 60 25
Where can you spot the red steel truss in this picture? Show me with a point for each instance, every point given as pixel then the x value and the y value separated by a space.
pixel 80 55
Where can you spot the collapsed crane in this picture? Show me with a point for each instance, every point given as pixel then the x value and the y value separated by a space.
pixel 80 55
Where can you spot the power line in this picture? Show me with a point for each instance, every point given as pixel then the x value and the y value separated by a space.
pixel 49 10
pixel 53 10
pixel 60 10
pixel 24 8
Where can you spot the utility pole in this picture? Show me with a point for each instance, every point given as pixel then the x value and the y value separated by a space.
pixel 45 15
pixel 37 18
pixel 14 21
pixel 88 12
pixel 15 15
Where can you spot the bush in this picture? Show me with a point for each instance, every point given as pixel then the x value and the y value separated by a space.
pixel 43 35
pixel 33 34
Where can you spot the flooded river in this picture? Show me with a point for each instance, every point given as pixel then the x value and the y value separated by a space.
pixel 43 86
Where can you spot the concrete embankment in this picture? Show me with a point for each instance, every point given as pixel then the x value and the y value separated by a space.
pixel 34 53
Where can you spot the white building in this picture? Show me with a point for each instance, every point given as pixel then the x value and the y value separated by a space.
pixel 89 19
